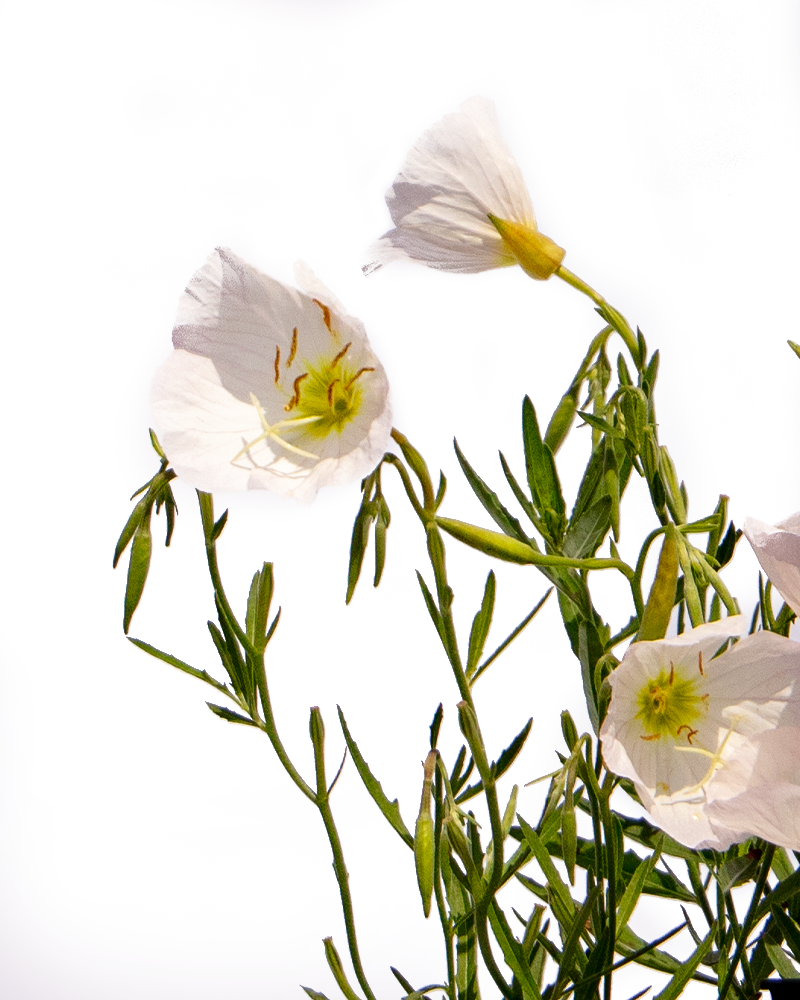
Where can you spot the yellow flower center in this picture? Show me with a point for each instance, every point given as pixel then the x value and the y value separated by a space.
pixel 670 705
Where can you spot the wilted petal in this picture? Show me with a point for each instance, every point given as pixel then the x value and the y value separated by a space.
pixel 268 388
pixel 778 550
pixel 458 174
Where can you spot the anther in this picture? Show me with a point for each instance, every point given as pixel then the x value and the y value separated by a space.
pixel 671 673
pixel 330 391
pixel 700 663
pixel 277 364
pixel 655 736
pixel 689 732
pixel 326 313
pixel 296 397
pixel 340 355
pixel 293 350
pixel 357 375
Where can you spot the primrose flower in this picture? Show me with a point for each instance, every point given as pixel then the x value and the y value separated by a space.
pixel 460 203
pixel 778 550
pixel 711 743
pixel 268 387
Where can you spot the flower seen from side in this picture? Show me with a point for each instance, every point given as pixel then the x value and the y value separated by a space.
pixel 777 548
pixel 268 387
pixel 711 742
pixel 460 203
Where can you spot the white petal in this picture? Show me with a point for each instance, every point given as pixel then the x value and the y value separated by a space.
pixel 778 550
pixel 228 402
pixel 201 425
pixel 458 173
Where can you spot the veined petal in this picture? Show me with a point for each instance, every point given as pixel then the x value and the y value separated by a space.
pixel 777 548
pixel 268 388
pixel 693 730
pixel 457 174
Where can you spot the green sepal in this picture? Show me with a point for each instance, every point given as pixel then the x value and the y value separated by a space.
pixel 229 716
pixel 481 624
pixel 391 810
pixel 138 567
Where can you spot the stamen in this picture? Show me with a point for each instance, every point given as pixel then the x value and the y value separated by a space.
pixel 340 355
pixel 296 397
pixel 270 432
pixel 690 732
pixel 671 673
pixel 357 375
pixel 293 350
pixel 326 313
pixel 330 391
pixel 655 736
pixel 277 364
pixel 716 761
pixel 700 663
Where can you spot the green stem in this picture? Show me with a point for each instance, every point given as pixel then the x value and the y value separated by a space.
pixel 623 330
pixel 272 732
pixel 339 867
pixel 749 920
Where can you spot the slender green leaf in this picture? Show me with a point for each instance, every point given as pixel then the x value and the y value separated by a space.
pixel 490 501
pixel 313 993
pixel 481 624
pixel 509 755
pixel 173 661
pixel 585 534
pixel 679 980
pixel 510 638
pixel 782 892
pixel 358 544
pixel 513 953
pixel 219 526
pixel 131 525
pixel 540 465
pixel 141 550
pixel 229 716
pixel 789 930
pixel 337 969
pixel 433 611
pixel 391 810
pixel 780 960
pixel 634 889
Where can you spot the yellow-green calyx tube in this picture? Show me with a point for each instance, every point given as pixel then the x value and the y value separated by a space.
pixel 424 851
pixel 535 253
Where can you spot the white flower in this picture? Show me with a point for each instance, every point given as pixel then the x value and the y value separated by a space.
pixel 268 388
pixel 778 550
pixel 712 744
pixel 459 190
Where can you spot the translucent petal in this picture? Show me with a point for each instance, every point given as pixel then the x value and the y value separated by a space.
pixel 458 173
pixel 778 550
pixel 242 404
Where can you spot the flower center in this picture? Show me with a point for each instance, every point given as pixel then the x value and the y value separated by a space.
pixel 331 392
pixel 669 705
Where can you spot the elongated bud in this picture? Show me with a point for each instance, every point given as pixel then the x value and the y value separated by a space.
pixel 537 254
pixel 336 967
pixel 492 543
pixel 562 419
pixel 424 855
pixel 569 729
pixel 458 841
pixel 468 724
pixel 316 728
pixel 676 500
pixel 658 609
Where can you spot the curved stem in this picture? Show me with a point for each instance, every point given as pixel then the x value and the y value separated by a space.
pixel 271 730
pixel 622 329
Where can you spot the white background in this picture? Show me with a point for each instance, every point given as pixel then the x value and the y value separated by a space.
pixel 148 849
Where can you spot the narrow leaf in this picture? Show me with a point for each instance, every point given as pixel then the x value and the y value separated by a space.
pixel 229 716
pixel 141 550
pixel 173 661
pixel 509 755
pixel 489 499
pixel 391 810
pixel 481 624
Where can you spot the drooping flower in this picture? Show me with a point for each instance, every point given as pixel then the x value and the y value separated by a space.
pixel 778 550
pixel 711 743
pixel 268 387
pixel 460 203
